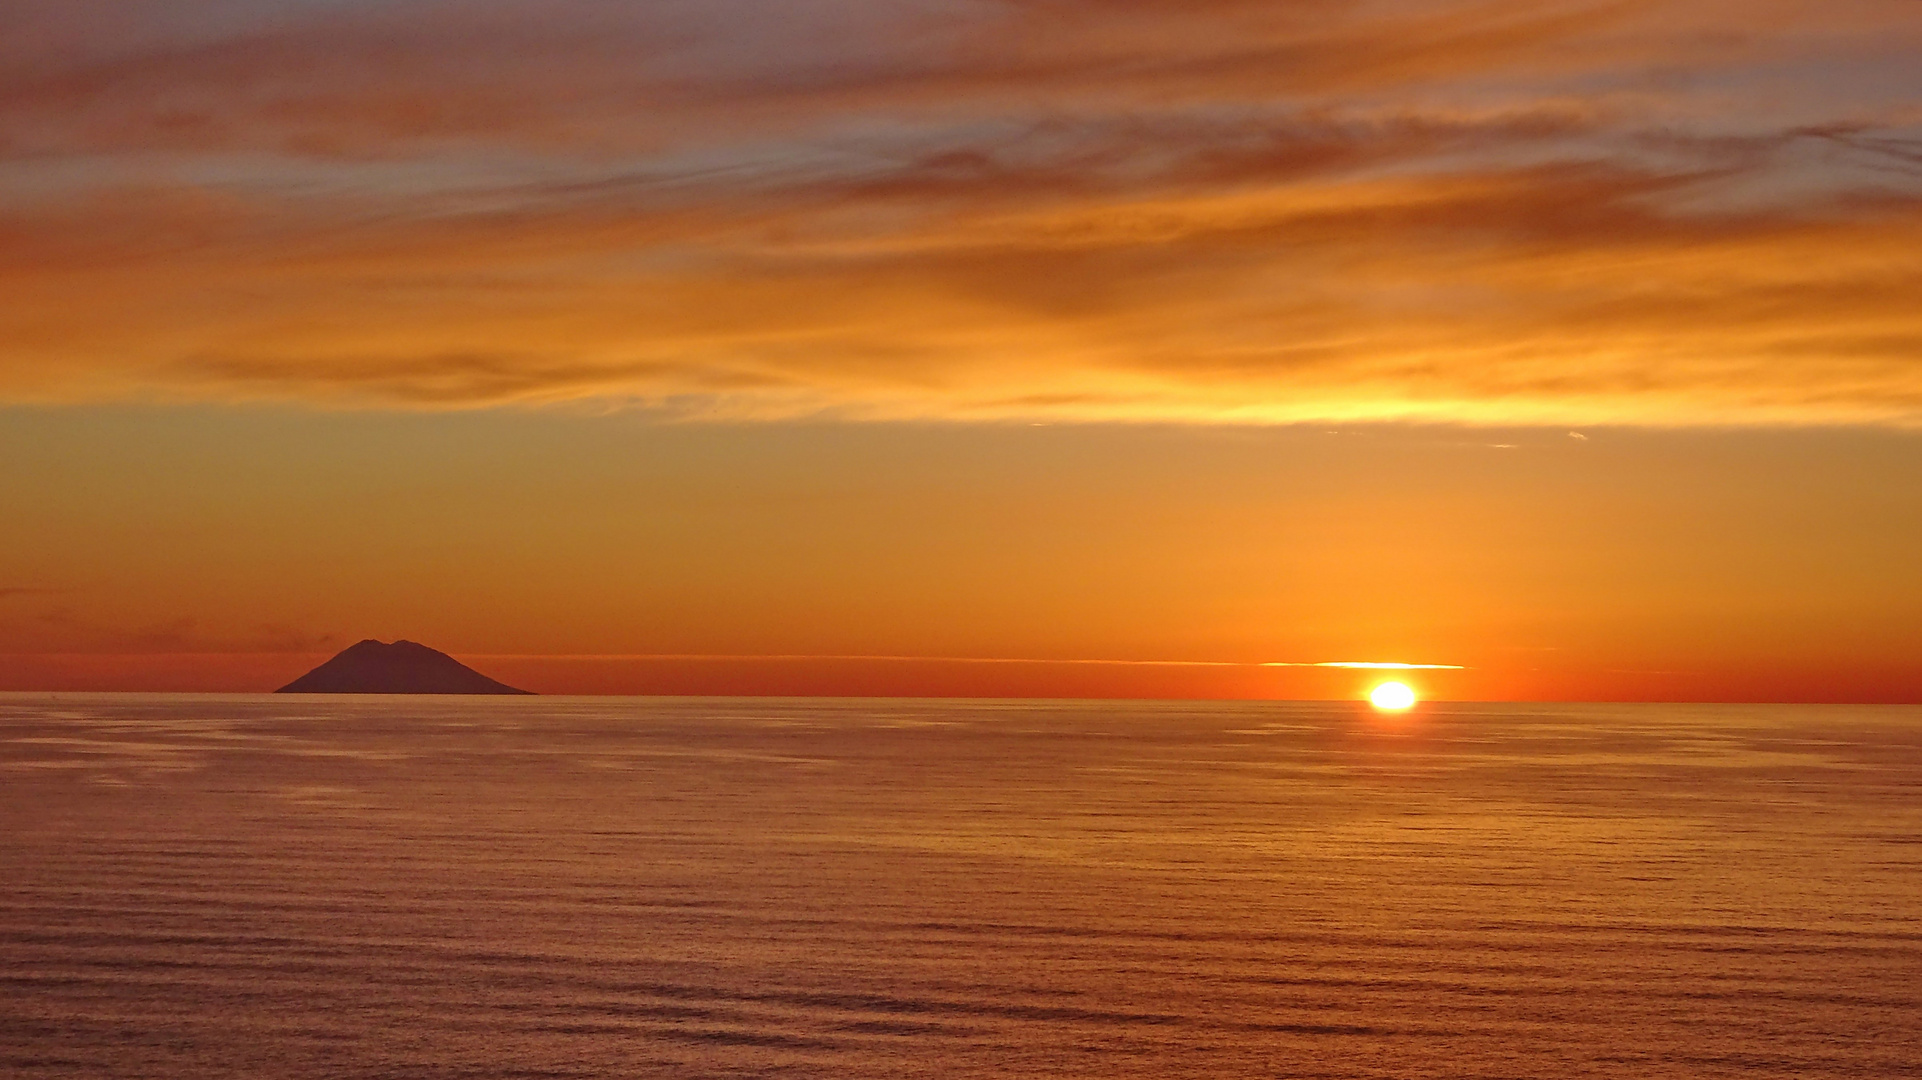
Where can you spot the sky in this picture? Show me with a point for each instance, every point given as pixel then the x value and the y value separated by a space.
pixel 1023 347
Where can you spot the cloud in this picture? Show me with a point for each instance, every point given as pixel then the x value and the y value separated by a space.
pixel 1375 665
pixel 66 631
pixel 1641 212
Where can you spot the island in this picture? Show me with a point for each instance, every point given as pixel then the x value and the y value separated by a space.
pixel 404 667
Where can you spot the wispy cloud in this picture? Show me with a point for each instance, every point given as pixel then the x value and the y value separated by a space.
pixel 1579 212
pixel 63 630
pixel 1040 661
pixel 1373 665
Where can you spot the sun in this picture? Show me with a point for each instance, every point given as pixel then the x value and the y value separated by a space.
pixel 1392 696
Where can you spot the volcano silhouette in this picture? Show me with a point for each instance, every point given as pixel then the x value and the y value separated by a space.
pixel 405 667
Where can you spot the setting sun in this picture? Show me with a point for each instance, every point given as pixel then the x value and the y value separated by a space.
pixel 1392 696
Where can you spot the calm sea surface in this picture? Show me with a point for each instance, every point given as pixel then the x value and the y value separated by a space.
pixel 203 887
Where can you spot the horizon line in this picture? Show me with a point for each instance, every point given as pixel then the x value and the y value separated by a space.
pixel 1383 665
pixel 1376 665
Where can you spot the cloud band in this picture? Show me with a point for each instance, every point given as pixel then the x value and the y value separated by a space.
pixel 1575 212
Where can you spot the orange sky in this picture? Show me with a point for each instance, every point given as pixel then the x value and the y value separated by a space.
pixel 578 338
pixel 1629 563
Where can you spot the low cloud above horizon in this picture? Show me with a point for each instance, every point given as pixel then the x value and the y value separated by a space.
pixel 1644 211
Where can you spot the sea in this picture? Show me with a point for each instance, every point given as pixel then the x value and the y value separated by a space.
pixel 299 886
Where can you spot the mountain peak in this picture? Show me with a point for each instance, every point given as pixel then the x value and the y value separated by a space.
pixel 404 667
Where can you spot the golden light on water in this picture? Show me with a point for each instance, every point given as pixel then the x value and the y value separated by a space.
pixel 1392 697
